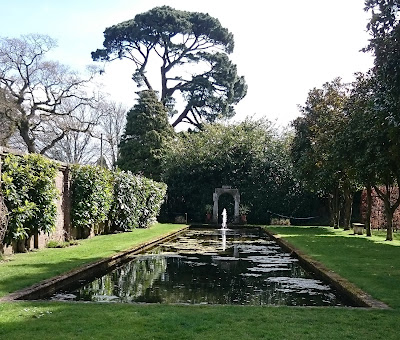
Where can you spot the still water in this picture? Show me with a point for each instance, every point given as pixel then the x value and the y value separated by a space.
pixel 204 266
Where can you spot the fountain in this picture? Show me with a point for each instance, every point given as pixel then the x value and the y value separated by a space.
pixel 223 219
pixel 224 229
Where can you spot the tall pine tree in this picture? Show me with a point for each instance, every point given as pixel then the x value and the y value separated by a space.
pixel 147 129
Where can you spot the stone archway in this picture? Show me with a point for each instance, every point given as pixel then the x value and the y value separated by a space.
pixel 226 190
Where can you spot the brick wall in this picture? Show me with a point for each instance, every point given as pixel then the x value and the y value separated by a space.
pixel 378 219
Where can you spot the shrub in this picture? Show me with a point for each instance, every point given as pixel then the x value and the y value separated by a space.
pixel 28 186
pixel 121 200
pixel 125 210
pixel 137 201
pixel 92 196
pixel 153 196
pixel 53 244
pixel 57 244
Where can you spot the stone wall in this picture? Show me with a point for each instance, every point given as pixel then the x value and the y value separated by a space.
pixel 62 228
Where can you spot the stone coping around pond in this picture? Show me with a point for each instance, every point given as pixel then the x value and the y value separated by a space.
pixel 47 287
pixel 342 285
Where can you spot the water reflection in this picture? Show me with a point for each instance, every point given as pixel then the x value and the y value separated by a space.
pixel 223 232
pixel 211 267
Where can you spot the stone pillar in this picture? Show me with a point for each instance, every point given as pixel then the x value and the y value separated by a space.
pixel 215 208
pixel 237 202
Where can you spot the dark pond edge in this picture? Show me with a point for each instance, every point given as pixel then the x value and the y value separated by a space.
pixel 47 287
pixel 342 285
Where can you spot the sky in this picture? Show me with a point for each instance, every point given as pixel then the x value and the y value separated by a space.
pixel 282 48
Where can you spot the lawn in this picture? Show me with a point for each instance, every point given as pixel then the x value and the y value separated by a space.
pixel 369 263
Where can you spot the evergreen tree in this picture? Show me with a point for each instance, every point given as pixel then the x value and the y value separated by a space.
pixel 180 40
pixel 147 128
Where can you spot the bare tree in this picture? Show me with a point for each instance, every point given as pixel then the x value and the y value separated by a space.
pixel 41 93
pixel 78 144
pixel 100 141
pixel 6 110
pixel 111 128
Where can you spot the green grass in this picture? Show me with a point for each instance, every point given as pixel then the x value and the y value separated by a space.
pixel 382 234
pixel 118 321
pixel 22 270
pixel 336 249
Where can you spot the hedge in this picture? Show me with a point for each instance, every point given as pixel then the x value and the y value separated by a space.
pixel 117 200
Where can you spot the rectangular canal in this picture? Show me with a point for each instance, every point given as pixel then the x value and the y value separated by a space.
pixel 210 266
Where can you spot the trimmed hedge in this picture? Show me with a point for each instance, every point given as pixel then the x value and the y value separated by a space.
pixel 91 196
pixel 118 200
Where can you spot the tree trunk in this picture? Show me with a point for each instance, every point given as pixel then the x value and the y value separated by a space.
pixel 389 223
pixel 336 209
pixel 24 133
pixel 348 207
pixel 331 214
pixel 389 208
pixel 369 207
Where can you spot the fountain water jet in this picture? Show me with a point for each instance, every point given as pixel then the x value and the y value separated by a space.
pixel 224 219
pixel 224 229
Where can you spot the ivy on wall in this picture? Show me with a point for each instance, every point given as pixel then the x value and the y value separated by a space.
pixel 28 186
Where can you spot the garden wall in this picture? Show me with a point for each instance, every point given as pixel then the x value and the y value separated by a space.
pixel 62 226
pixel 378 219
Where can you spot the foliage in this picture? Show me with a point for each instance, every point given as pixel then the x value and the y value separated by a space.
pixel 313 147
pixel 244 209
pixel 153 194
pixel 28 185
pixel 249 156
pixel 320 147
pixel 384 109
pixel 137 201
pixel 146 131
pixel 118 199
pixel 91 195
pixel 179 39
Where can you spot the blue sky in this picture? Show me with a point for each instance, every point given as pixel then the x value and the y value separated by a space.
pixel 283 48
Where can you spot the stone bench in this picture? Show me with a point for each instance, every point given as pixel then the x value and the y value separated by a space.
pixel 358 228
